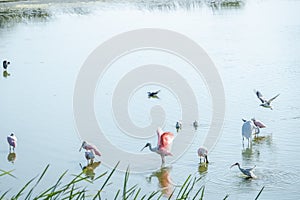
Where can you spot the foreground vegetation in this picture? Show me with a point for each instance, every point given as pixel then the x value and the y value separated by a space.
pixel 73 189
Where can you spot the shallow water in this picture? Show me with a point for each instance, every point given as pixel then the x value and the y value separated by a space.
pixel 254 46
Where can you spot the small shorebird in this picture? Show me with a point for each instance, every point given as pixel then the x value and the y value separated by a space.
pixel 195 124
pixel 5 64
pixel 178 126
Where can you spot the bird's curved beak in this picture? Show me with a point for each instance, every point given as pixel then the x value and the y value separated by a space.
pixel 232 165
pixel 80 148
pixel 144 147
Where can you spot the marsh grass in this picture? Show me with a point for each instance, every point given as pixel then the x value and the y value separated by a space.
pixel 74 188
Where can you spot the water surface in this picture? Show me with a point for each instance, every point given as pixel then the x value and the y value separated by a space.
pixel 254 46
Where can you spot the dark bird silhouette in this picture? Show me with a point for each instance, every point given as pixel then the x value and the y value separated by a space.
pixel 153 94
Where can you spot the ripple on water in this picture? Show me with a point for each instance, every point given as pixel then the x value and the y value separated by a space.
pixel 278 178
pixel 233 180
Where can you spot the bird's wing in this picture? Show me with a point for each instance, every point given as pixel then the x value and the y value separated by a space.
pixel 259 124
pixel 270 100
pixel 9 140
pixel 247 129
pixel 166 140
pixel 95 149
pixel 159 132
pixel 260 96
pixel 247 172
pixel 156 92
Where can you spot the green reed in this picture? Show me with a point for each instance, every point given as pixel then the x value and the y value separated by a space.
pixel 74 190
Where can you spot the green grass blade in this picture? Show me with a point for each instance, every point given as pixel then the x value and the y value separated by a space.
pixel 197 193
pixel 23 188
pixel 105 182
pixel 202 194
pixel 183 186
pixel 125 183
pixel 153 194
pixel 7 173
pixel 3 195
pixel 117 194
pixel 137 194
pixel 260 192
pixel 28 196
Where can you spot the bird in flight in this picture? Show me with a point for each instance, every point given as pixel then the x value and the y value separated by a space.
pixel 264 102
pixel 153 94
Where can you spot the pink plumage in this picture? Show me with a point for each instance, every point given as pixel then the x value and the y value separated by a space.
pixel 12 140
pixel 164 143
pixel 203 152
pixel 258 123
pixel 90 147
pixel 165 139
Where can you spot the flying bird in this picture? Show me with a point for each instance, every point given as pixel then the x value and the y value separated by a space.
pixel 202 152
pixel 12 141
pixel 264 102
pixel 248 172
pixel 164 144
pixel 90 147
pixel 153 94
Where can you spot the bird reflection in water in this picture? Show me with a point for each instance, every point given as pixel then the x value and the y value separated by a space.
pixel 89 169
pixel 11 157
pixel 164 180
pixel 247 153
pixel 5 74
pixel 202 168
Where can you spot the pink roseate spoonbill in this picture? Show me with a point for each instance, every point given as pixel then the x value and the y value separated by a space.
pixel 264 102
pixel 153 94
pixel 12 141
pixel 164 144
pixel 248 172
pixel 195 124
pixel 258 123
pixel 91 147
pixel 202 152
pixel 178 126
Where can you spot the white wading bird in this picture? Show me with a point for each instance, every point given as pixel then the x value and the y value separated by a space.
pixel 248 172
